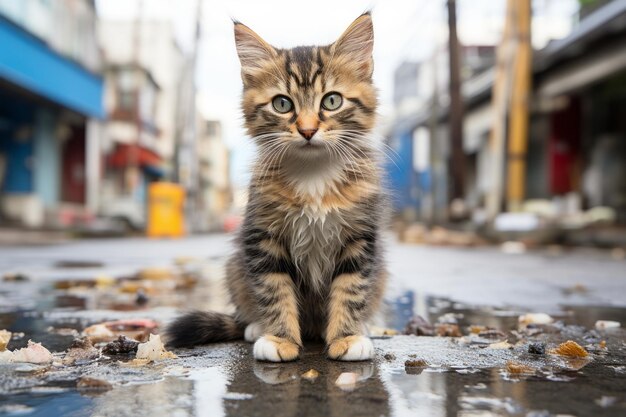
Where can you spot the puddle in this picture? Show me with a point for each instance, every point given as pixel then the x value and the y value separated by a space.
pixel 459 378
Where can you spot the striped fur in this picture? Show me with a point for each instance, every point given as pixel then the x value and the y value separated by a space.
pixel 309 262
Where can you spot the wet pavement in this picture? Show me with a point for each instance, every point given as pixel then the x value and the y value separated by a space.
pixel 51 294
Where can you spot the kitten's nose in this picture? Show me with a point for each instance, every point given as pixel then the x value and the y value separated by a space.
pixel 307 133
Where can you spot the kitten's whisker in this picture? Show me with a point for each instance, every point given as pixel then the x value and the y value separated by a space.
pixel 392 156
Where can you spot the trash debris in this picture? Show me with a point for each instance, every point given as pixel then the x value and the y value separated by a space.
pixel 534 318
pixel 93 384
pixel 98 333
pixel 537 348
pixel 63 331
pixel 516 368
pixel 5 338
pixel 138 329
pixel 492 334
pixel 419 326
pixel 448 330
pixel 310 375
pixel 153 350
pixel 415 363
pixel 347 381
pixel 570 349
pixel 476 329
pixel 375 331
pixel 142 298
pixel 34 353
pixel 607 324
pixel 81 350
pixel 606 401
pixel 121 346
pixel 501 345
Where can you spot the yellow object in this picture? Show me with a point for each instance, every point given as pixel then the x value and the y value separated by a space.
pixel 520 103
pixel 166 203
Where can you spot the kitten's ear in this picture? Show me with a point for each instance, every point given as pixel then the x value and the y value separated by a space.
pixel 358 43
pixel 251 48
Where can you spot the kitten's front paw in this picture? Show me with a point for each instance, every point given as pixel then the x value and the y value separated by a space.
pixel 253 332
pixel 275 349
pixel 351 348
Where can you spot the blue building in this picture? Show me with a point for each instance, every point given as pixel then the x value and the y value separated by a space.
pixel 50 102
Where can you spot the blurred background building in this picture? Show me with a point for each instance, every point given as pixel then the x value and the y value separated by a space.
pixel 574 149
pixel 93 111
pixel 50 107
pixel 144 73
pixel 215 196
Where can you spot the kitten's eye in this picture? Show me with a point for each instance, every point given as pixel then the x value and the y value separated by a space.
pixel 332 101
pixel 282 104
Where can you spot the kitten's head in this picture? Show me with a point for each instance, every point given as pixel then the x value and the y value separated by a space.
pixel 309 102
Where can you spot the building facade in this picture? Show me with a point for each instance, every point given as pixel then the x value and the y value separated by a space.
pixel 576 145
pixel 143 72
pixel 215 192
pixel 50 107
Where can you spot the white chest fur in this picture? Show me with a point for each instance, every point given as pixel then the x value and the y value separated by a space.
pixel 314 232
pixel 315 240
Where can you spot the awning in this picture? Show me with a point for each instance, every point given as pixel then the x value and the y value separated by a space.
pixel 29 63
pixel 125 154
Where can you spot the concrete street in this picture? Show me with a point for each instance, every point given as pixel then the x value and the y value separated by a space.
pixel 70 286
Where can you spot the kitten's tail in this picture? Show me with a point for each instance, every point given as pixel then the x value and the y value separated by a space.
pixel 200 327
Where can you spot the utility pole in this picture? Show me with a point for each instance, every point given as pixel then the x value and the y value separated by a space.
pixel 190 131
pixel 133 153
pixel 520 101
pixel 456 107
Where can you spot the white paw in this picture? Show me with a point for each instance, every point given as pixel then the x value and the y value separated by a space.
pixel 275 349
pixel 361 349
pixel 253 332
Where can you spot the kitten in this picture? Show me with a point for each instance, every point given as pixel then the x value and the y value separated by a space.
pixel 308 261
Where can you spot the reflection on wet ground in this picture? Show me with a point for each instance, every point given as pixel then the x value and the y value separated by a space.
pixel 473 375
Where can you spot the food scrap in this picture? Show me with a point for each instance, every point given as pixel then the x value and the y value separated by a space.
pixel 516 368
pixel 607 324
pixel 534 318
pixel 570 349
pixel 81 350
pixel 310 375
pixel 153 350
pixel 448 330
pixel 138 329
pixel 5 338
pixel 33 353
pixel 501 345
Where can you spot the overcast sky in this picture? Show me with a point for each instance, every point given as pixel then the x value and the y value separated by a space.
pixel 404 29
